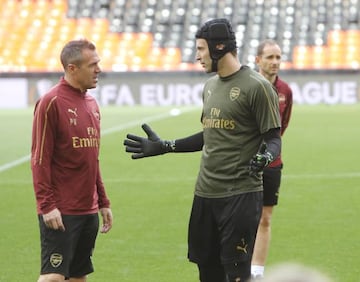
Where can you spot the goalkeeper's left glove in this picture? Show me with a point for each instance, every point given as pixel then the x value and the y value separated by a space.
pixel 262 159
pixel 142 147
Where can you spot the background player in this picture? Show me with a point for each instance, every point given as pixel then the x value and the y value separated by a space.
pixel 268 60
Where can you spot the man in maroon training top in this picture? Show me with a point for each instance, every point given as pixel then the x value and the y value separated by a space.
pixel 268 60
pixel 65 166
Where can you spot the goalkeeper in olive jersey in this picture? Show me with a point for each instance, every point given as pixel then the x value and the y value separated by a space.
pixel 240 136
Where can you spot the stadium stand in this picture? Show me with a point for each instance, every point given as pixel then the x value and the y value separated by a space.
pixel 151 35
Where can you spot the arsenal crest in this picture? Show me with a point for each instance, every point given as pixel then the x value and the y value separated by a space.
pixel 234 93
pixel 56 260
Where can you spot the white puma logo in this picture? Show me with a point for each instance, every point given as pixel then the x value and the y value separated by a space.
pixel 73 111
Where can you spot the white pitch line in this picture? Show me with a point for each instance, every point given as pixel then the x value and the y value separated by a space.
pixel 161 116
pixel 14 163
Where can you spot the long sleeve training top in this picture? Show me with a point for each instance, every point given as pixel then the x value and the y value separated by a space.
pixel 65 152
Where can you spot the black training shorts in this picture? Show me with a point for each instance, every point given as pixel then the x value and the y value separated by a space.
pixel 223 230
pixel 69 252
pixel 271 181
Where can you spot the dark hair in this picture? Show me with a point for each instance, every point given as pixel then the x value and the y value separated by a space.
pixel 260 48
pixel 72 52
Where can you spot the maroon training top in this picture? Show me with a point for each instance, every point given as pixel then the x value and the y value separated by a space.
pixel 65 152
pixel 285 107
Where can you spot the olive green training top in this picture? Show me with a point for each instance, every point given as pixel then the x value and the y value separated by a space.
pixel 237 110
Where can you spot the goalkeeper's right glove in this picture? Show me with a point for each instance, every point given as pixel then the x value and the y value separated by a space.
pixel 262 159
pixel 146 147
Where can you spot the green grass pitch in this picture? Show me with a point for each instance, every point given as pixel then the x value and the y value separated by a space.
pixel 316 222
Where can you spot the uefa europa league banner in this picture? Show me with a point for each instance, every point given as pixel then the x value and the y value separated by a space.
pixel 177 88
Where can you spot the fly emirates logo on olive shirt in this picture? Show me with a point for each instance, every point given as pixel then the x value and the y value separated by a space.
pixel 214 103
pixel 215 121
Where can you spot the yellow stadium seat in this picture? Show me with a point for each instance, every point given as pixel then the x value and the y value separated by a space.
pixel 142 44
pixel 60 6
pixel 352 54
pixel 319 57
pixel 83 28
pixel 154 58
pixel 302 57
pixel 171 58
pixel 336 37
pixel 336 56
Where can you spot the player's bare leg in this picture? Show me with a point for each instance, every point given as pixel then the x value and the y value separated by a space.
pixel 262 243
pixel 51 277
pixel 81 279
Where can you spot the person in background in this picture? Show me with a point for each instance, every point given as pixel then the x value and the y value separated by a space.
pixel 268 60
pixel 67 182
pixel 241 135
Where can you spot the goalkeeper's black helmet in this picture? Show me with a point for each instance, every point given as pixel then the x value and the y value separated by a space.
pixel 215 32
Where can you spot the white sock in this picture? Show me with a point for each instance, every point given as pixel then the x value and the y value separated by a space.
pixel 257 270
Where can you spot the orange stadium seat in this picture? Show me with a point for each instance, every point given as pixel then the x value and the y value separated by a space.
pixel 83 28
pixel 336 37
pixel 142 43
pixel 60 6
pixel 319 57
pixel 32 33
pixel 109 50
pixel 66 31
pixel 171 58
pixel 99 31
pixel 352 54
pixel 335 44
pixel 153 60
pixel 302 57
pixel 336 56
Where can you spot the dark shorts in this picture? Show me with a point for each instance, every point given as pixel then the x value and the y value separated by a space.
pixel 271 181
pixel 223 230
pixel 69 252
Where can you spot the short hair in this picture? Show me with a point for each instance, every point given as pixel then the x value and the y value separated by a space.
pixel 72 52
pixel 262 44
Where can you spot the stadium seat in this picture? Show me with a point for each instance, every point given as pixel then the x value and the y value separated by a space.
pixel 336 56
pixel 302 57
pixel 153 60
pixel 171 58
pixel 319 57
pixel 110 51
pixel 304 31
pixel 336 37
pixel 352 54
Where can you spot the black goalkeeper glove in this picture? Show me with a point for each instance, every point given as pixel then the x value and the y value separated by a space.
pixel 260 160
pixel 147 147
